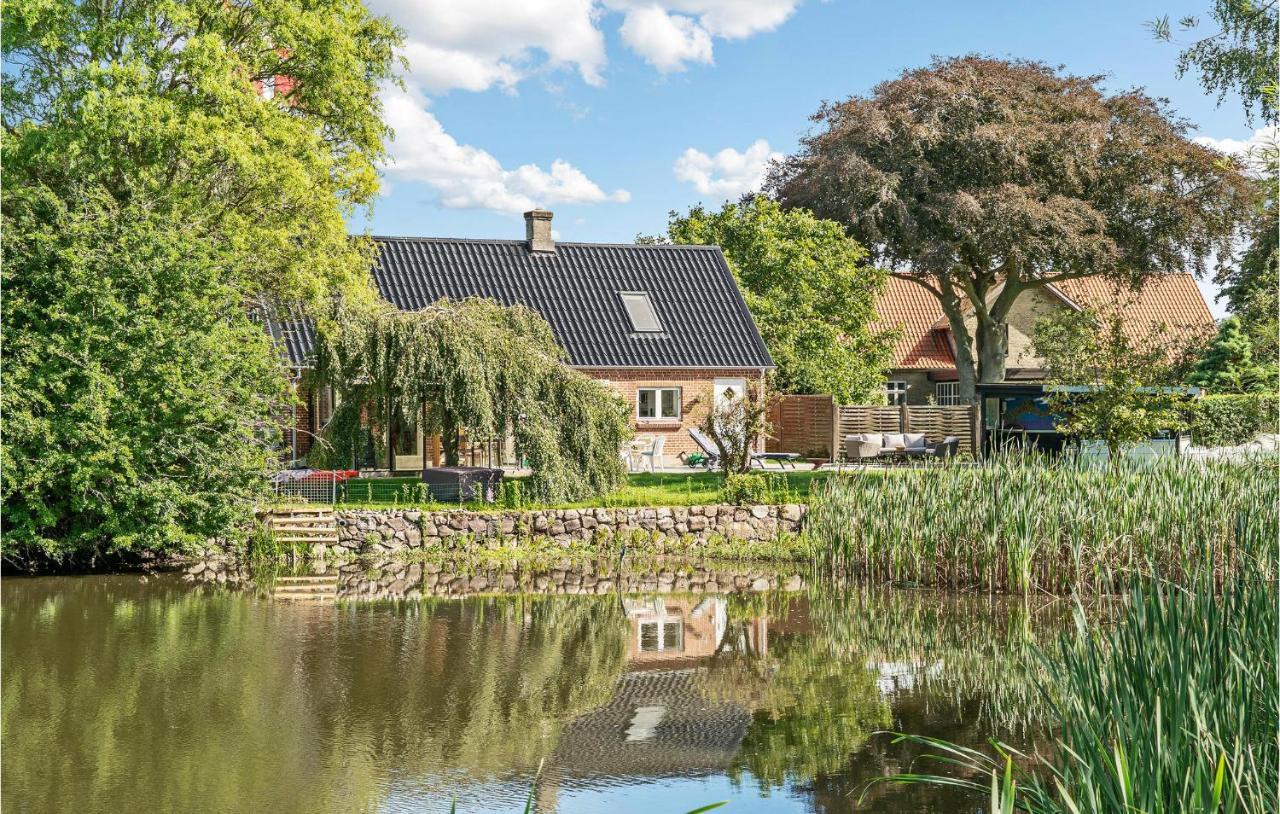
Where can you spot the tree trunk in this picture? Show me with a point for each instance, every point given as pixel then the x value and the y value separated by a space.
pixel 962 342
pixel 993 349
pixel 449 440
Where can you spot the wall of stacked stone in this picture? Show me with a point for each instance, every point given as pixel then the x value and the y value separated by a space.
pixel 401 580
pixel 393 579
pixel 383 531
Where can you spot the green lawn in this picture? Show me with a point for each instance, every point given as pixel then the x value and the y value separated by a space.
pixel 642 489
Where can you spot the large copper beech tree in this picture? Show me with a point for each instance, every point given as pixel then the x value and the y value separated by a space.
pixel 979 179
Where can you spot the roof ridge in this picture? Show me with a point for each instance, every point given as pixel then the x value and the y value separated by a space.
pixel 520 242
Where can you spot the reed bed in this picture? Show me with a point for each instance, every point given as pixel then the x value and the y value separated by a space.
pixel 1172 709
pixel 1022 522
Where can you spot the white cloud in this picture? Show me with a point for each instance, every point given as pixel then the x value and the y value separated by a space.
pixel 467 177
pixel 728 173
pixel 671 33
pixel 475 44
pixel 1231 146
pixel 666 41
pixel 478 44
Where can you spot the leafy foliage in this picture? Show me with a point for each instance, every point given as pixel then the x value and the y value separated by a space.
pixel 1228 365
pixel 978 179
pixel 1240 56
pixel 808 288
pixel 745 489
pixel 151 194
pixel 154 101
pixel 479 368
pixel 138 395
pixel 1220 421
pixel 1131 396
pixel 735 426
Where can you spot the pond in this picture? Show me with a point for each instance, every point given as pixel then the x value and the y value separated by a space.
pixel 665 690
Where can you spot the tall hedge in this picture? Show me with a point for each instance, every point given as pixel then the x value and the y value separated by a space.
pixel 1228 420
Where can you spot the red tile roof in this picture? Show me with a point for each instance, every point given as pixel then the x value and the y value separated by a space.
pixel 1173 300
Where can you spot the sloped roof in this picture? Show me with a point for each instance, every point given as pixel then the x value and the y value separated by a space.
pixel 576 288
pixel 1172 300
pixel 913 311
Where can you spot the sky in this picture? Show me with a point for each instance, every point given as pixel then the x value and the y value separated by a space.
pixel 612 113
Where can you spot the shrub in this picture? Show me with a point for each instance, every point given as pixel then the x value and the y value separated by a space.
pixel 744 489
pixel 1228 420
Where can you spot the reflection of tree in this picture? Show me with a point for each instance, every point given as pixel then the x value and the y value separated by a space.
pixel 843 663
pixel 119 695
pixel 811 711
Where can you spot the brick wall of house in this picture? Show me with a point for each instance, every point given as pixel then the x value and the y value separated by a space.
pixel 697 387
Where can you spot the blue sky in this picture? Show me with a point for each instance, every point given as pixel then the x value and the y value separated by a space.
pixel 613 112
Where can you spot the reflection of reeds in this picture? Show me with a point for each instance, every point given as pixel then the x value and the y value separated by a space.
pixel 1023 522
pixel 1172 709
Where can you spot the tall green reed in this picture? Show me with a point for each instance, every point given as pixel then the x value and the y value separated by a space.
pixel 1024 522
pixel 1174 709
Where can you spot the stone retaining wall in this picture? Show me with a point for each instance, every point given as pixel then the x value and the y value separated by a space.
pixel 384 531
pixel 393 579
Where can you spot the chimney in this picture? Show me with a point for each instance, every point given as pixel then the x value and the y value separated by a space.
pixel 537 231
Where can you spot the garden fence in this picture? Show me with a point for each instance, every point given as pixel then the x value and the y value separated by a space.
pixel 815 426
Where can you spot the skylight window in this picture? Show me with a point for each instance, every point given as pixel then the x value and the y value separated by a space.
pixel 644 319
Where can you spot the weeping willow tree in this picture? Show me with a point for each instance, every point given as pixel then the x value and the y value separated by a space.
pixel 477 369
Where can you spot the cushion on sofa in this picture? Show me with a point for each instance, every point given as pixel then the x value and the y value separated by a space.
pixel 915 440
pixel 894 439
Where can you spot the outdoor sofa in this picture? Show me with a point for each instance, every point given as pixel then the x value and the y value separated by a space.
pixel 871 445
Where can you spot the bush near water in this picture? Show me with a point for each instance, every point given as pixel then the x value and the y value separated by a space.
pixel 1024 522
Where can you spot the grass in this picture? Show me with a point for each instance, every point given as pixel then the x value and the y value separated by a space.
pixel 1024 523
pixel 641 489
pixel 1173 709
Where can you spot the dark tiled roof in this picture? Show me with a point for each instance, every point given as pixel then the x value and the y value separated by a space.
pixel 692 734
pixel 704 318
pixel 292 332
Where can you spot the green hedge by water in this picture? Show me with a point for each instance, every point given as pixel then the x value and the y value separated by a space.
pixel 1025 523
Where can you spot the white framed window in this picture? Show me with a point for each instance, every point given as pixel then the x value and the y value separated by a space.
pixel 644 318
pixel 948 394
pixel 656 636
pixel 895 392
pixel 658 402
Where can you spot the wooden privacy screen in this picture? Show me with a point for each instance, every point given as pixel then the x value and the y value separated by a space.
pixel 813 425
pixel 801 424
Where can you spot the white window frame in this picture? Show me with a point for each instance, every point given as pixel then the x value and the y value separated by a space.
pixel 679 399
pixel 895 392
pixel 947 394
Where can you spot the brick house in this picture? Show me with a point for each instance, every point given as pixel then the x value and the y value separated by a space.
pixel 666 326
pixel 924 366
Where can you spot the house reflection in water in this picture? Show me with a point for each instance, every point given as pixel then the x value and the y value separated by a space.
pixel 659 722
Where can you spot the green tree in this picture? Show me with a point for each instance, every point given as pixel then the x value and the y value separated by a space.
pixel 809 289
pixel 137 393
pixel 140 123
pixel 1132 393
pixel 979 179
pixel 1251 287
pixel 1228 366
pixel 1240 56
pixel 474 368
pixel 157 102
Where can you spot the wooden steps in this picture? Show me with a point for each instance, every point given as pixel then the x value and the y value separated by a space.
pixel 306 588
pixel 303 526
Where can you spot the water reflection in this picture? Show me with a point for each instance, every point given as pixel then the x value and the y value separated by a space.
pixel 125 692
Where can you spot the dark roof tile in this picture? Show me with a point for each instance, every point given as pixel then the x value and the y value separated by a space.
pixel 576 289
